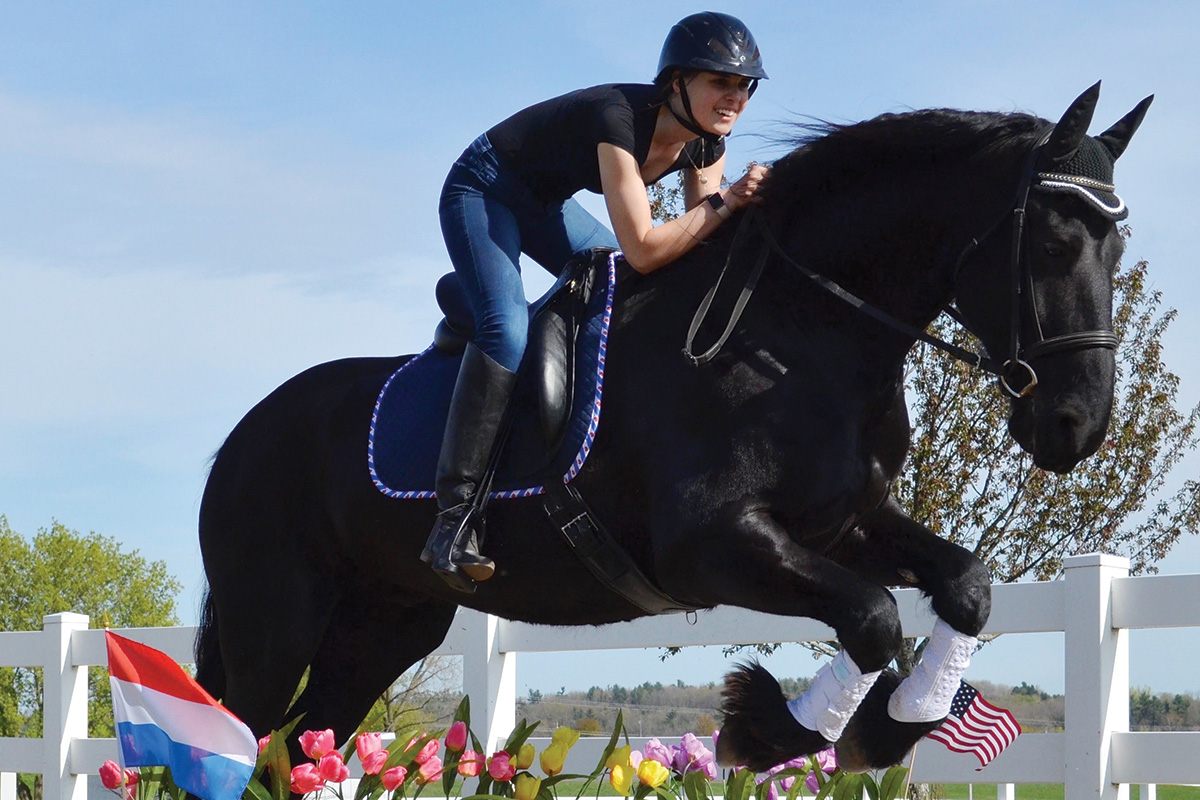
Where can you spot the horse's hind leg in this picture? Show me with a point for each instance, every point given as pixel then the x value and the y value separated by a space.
pixel 891 548
pixel 368 644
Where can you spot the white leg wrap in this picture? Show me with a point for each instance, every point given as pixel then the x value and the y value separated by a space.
pixel 925 695
pixel 835 694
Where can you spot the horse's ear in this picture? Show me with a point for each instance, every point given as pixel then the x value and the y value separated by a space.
pixel 1071 129
pixel 1116 138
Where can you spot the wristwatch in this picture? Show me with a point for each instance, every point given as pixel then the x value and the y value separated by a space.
pixel 718 205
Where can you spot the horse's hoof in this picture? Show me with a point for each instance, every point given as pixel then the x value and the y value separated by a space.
pixel 872 739
pixel 759 731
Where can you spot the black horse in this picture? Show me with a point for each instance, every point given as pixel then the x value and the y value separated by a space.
pixel 758 479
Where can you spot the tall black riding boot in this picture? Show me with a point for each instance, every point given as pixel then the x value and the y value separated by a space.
pixel 477 412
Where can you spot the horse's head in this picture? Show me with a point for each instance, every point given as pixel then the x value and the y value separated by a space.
pixel 1038 289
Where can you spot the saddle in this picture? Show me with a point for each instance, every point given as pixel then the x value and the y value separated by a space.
pixel 553 419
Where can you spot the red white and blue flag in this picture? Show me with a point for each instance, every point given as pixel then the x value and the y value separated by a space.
pixel 976 726
pixel 165 718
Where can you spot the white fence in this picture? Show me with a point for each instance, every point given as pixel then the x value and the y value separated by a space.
pixel 1095 605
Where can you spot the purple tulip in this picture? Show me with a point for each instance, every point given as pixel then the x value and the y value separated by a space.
pixel 655 750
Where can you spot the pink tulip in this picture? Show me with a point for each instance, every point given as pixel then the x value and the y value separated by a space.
pixel 306 778
pixel 429 751
pixel 111 775
pixel 470 764
pixel 430 770
pixel 500 766
pixel 368 743
pixel 374 762
pixel 263 742
pixel 317 743
pixel 131 777
pixel 332 767
pixel 394 777
pixel 456 737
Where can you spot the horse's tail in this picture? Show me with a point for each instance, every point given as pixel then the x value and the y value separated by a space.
pixel 210 671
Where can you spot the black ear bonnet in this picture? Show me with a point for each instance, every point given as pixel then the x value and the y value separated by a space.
pixel 1088 173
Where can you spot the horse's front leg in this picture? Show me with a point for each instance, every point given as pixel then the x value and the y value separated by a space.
pixel 891 548
pixel 747 559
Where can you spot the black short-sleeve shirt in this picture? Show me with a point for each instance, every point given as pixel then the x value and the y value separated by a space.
pixel 552 145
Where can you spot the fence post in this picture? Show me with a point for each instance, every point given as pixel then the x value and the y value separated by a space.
pixel 490 680
pixel 64 707
pixel 1097 677
pixel 8 786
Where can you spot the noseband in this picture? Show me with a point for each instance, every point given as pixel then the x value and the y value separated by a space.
pixel 1022 296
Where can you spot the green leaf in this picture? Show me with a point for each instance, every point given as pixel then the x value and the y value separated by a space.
pixel 695 786
pixel 849 787
pixel 893 783
pixel 739 784
pixel 618 729
pixel 256 790
pixel 871 787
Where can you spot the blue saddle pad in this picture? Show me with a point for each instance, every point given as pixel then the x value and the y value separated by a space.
pixel 411 410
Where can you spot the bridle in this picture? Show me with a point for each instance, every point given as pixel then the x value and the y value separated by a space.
pixel 1021 297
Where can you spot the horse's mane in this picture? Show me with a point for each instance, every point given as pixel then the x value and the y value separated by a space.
pixel 830 156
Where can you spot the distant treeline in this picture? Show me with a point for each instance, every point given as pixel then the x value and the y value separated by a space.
pixel 654 709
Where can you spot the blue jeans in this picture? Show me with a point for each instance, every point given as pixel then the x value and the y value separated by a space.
pixel 488 219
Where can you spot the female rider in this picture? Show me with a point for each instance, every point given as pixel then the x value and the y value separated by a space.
pixel 510 193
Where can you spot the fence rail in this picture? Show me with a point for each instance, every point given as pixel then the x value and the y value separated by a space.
pixel 1095 606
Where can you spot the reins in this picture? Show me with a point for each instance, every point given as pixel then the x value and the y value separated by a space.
pixel 771 245
pixel 1022 294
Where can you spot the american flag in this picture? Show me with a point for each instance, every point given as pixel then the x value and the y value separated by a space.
pixel 976 726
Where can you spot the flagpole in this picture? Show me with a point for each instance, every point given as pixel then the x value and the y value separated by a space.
pixel 911 762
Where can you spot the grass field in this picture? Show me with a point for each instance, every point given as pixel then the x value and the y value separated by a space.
pixel 950 791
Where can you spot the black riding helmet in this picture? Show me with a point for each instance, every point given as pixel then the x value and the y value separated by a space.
pixel 711 42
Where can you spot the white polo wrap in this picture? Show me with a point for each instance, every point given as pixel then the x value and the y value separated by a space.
pixel 926 694
pixel 835 694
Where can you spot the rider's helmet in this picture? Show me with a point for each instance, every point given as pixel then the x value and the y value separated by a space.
pixel 711 42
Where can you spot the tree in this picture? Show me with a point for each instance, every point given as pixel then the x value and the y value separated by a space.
pixel 428 691
pixel 63 570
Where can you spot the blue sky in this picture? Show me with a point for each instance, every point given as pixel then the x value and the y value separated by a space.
pixel 201 199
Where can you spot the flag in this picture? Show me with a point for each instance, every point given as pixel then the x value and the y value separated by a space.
pixel 976 726
pixel 165 718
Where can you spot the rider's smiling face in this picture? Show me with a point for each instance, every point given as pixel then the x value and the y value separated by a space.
pixel 717 99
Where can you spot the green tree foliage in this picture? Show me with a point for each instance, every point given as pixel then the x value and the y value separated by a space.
pixel 63 570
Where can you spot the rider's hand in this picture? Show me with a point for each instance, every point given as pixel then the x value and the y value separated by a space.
pixel 745 190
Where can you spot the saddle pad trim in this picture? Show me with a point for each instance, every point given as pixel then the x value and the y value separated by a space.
pixel 585 448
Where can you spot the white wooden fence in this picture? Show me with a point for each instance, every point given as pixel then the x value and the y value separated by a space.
pixel 1095 605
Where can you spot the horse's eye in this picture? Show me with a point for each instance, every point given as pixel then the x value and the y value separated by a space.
pixel 1055 250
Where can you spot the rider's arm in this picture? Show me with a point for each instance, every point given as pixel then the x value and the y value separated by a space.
pixel 647 246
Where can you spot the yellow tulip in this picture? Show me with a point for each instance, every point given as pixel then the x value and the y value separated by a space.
pixel 621 778
pixel 553 757
pixel 524 757
pixel 565 736
pixel 526 786
pixel 619 757
pixel 652 773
